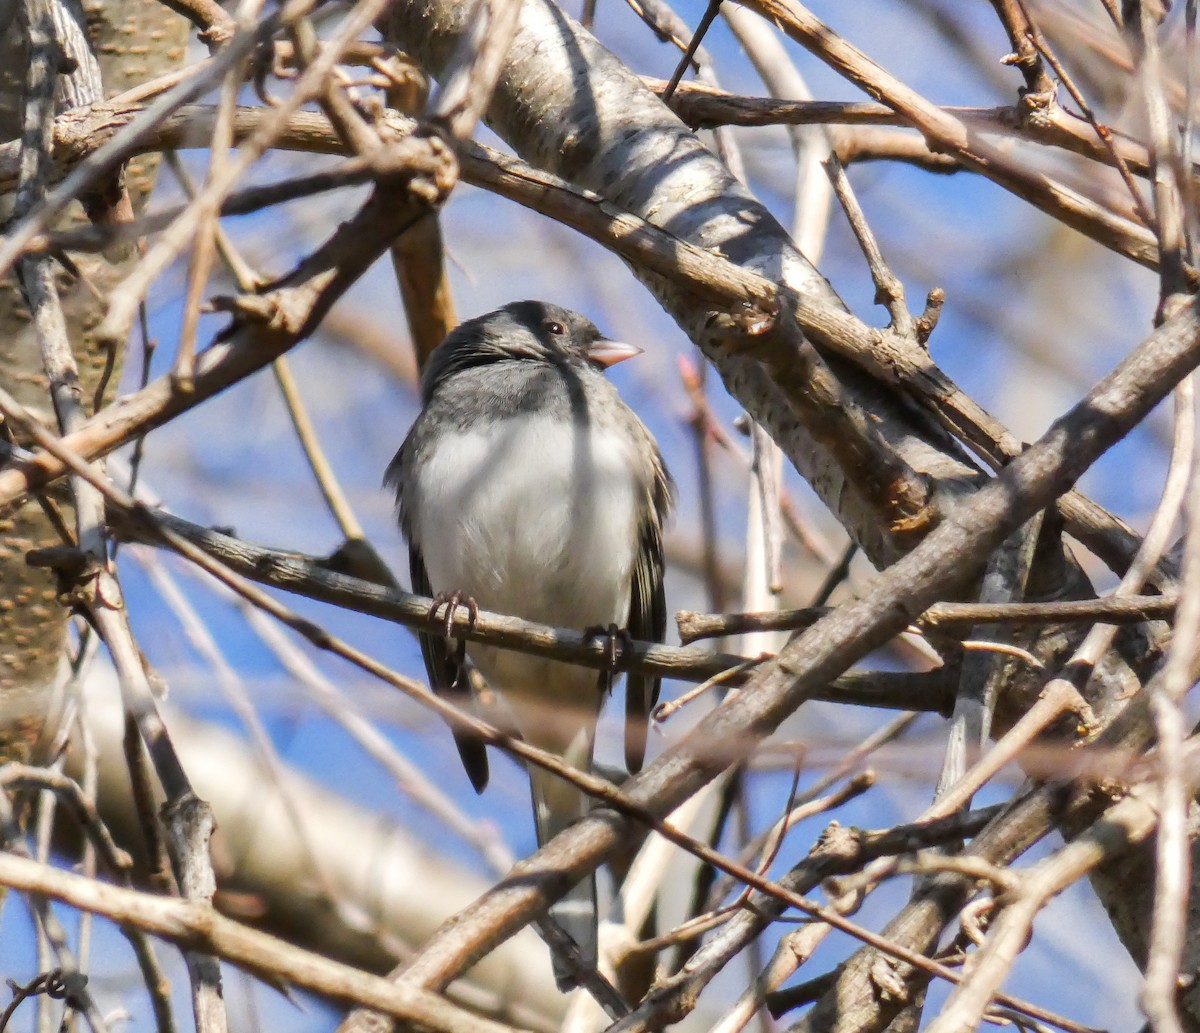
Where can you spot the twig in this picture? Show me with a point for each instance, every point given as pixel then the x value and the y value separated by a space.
pixel 1039 89
pixel 1168 930
pixel 1187 161
pixel 467 85
pixel 1168 927
pixel 947 133
pixel 708 431
pixel 408 776
pixel 704 107
pixel 68 975
pixel 116 861
pixel 649 872
pixel 1103 133
pixel 366 559
pixel 669 27
pixel 710 276
pixel 128 295
pixel 409 779
pixel 49 53
pixel 838 850
pixel 230 686
pixel 202 256
pixel 724 797
pixel 1113 609
pixel 667 708
pixel 81 807
pixel 889 291
pixel 779 1002
pixel 216 27
pixel 772 841
pixel 812 200
pixel 590 979
pixel 762 579
pixel 706 20
pixel 1124 824
pixel 60 984
pixel 1057 699
pixel 151 971
pixel 792 951
pixel 188 819
pixel 116 150
pixel 1168 202
pixel 694 377
pixel 1173 867
pixel 849 763
pixel 309 577
pixel 419 262
pixel 196 926
pixel 335 499
pixel 796 947
pixel 983 675
pixel 352 128
pixel 46 812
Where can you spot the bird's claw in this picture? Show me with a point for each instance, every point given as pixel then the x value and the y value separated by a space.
pixel 452 601
pixel 616 641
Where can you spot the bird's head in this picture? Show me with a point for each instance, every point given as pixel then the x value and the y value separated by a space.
pixel 533 330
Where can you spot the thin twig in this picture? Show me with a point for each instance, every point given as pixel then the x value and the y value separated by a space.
pixel 982 678
pixel 193 924
pixel 1168 928
pixel 711 276
pixel 109 155
pixel 591 784
pixel 1103 133
pixel 336 705
pixel 706 20
pixel 1114 609
pixel 694 377
pixel 201 261
pixel 1122 825
pixel 309 577
pixel 889 291
pixel 467 85
pixel 234 692
pixel 125 298
pixel 948 133
pixel 331 490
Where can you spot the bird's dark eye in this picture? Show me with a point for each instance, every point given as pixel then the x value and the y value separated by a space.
pixel 552 326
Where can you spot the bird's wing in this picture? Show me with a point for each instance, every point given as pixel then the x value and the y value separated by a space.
pixel 440 664
pixel 444 675
pixel 647 614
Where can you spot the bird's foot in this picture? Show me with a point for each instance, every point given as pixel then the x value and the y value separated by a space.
pixel 452 601
pixel 616 641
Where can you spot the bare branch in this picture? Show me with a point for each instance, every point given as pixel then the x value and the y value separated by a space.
pixel 197 926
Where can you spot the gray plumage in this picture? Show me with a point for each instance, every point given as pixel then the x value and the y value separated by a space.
pixel 529 485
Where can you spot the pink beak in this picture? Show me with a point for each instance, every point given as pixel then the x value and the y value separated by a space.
pixel 605 353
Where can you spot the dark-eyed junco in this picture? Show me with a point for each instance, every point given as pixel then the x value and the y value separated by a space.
pixel 527 485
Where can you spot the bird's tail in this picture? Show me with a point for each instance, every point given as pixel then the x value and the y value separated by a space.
pixel 556 805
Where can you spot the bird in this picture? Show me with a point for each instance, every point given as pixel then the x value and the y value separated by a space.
pixel 526 486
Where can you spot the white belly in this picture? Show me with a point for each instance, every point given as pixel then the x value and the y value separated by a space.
pixel 532 519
